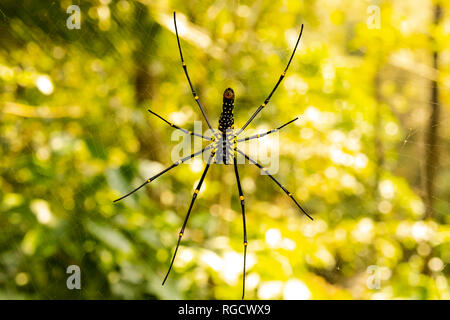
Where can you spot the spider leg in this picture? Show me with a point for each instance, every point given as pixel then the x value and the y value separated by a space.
pixel 276 181
pixel 241 198
pixel 257 136
pixel 187 75
pixel 178 128
pixel 274 89
pixel 164 171
pixel 194 196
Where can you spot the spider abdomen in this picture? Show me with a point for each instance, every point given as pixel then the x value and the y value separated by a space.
pixel 226 120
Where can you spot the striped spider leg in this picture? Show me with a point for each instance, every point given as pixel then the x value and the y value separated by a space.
pixel 241 195
pixel 194 196
pixel 181 129
pixel 275 180
pixel 274 89
pixel 241 199
pixel 183 64
pixel 260 135
pixel 175 164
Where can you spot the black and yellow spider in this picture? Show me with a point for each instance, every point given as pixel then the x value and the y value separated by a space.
pixel 222 149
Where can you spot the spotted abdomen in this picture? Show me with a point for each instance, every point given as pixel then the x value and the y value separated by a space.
pixel 226 120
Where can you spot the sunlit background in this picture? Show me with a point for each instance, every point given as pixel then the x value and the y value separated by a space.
pixel 369 156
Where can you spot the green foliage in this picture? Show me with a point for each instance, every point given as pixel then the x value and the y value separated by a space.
pixel 75 135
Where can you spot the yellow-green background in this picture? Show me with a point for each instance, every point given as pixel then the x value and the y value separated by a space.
pixel 75 134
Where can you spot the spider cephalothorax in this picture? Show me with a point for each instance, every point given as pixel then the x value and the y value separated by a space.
pixel 223 149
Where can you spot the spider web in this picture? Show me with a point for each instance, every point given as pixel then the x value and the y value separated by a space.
pixel 409 141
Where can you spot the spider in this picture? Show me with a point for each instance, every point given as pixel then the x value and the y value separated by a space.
pixel 223 149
